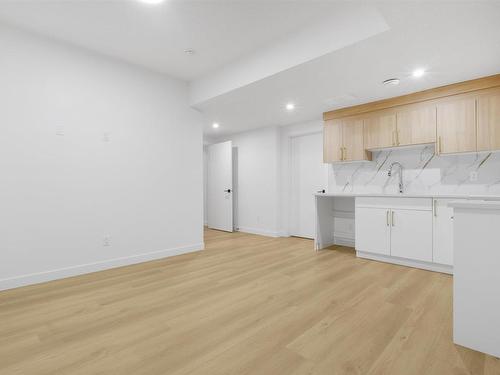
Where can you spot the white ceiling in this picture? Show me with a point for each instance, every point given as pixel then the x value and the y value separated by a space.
pixel 454 42
pixel 254 56
pixel 156 36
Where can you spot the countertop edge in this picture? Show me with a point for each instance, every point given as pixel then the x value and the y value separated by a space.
pixel 436 196
pixel 477 204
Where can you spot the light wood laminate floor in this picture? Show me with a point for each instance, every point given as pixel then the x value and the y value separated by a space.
pixel 245 305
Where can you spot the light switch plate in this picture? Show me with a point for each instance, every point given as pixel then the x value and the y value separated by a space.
pixel 473 176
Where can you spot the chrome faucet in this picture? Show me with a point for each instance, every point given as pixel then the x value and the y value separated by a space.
pixel 389 173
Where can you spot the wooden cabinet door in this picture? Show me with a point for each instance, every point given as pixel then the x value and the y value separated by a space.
pixel 380 130
pixel 332 141
pixel 488 122
pixel 456 125
pixel 416 125
pixel 352 136
pixel 411 234
pixel 372 230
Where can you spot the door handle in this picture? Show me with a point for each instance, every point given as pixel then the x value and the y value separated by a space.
pixel 322 191
pixel 227 191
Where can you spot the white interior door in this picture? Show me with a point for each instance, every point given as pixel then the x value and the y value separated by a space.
pixel 308 175
pixel 220 186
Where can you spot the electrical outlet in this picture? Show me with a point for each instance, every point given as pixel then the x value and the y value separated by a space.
pixel 473 176
pixel 60 130
pixel 105 137
pixel 106 241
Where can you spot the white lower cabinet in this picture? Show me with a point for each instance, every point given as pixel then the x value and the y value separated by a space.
pixel 411 234
pixel 372 224
pixel 398 230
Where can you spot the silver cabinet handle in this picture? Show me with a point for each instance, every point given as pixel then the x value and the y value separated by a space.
pixel 434 209
pixel 387 218
pixel 392 219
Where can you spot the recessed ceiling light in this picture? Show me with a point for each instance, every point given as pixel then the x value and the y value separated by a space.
pixel 153 2
pixel 417 73
pixel 189 51
pixel 391 81
pixel 215 125
pixel 290 106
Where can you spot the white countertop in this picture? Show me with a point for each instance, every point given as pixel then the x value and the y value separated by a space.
pixel 477 204
pixel 486 198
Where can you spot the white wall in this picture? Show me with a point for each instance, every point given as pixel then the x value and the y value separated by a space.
pixel 256 185
pixel 91 148
pixel 262 189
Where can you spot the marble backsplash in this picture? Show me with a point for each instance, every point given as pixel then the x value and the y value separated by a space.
pixel 424 173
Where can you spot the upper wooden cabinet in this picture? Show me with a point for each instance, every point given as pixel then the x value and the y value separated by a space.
pixel 353 142
pixel 488 121
pixel 462 117
pixel 404 126
pixel 332 141
pixel 416 124
pixel 456 125
pixel 343 141
pixel 380 130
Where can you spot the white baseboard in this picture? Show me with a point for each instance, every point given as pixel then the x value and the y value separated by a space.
pixel 261 232
pixel 284 234
pixel 406 262
pixel 41 277
pixel 343 241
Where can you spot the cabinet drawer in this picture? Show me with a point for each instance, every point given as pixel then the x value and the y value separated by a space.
pixel 395 202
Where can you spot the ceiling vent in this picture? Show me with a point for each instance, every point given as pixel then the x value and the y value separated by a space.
pixel 391 81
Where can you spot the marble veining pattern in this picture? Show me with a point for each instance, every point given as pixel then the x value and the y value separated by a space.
pixel 424 173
